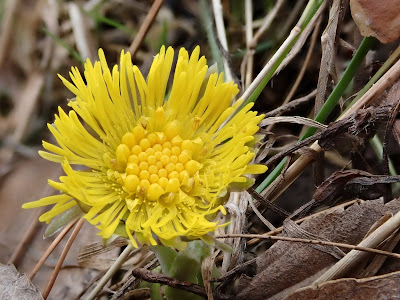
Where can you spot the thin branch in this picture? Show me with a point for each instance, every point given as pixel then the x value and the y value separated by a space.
pixel 260 216
pixel 307 60
pixel 144 28
pixel 303 161
pixel 172 282
pixel 285 108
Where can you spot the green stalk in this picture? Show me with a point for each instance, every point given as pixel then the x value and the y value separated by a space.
pixel 343 83
pixel 281 53
pixel 329 104
pixel 382 70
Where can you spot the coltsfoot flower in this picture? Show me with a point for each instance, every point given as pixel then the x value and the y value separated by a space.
pixel 158 163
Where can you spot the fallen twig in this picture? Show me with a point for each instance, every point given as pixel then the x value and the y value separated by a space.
pixel 172 282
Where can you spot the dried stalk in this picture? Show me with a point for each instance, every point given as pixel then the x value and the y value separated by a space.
pixel 62 257
pixel 144 28
pixel 354 256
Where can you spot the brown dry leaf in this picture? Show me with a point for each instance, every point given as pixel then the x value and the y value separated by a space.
pixel 380 19
pixel 13 285
pixel 377 287
pixel 350 184
pixel 287 266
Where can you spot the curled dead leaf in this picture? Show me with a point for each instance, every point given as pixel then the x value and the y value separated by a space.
pixel 286 266
pixel 380 19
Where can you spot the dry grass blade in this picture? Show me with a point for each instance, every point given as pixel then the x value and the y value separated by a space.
pixel 354 256
pixel 62 257
pixel 295 120
pixel 299 221
pixel 309 241
pixel 50 249
pixel 145 26
pixel 81 30
pixel 266 23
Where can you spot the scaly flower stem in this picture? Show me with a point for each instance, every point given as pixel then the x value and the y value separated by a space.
pixel 329 104
pixel 114 268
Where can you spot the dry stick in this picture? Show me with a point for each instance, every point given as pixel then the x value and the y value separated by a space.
pixel 303 68
pixel 303 161
pixel 329 46
pixel 221 33
pixel 149 276
pixel 94 279
pixel 291 19
pixel 111 271
pixel 377 262
pixel 250 50
pixel 50 249
pixel 145 26
pixel 314 242
pixel 291 105
pixel 280 229
pixel 354 256
pixel 130 282
pixel 62 257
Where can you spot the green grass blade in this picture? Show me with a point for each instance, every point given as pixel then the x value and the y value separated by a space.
pixel 329 105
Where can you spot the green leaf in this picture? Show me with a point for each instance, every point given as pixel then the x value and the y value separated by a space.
pixel 185 266
pixel 166 256
pixel 62 220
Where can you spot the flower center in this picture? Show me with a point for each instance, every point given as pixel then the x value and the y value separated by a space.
pixel 155 163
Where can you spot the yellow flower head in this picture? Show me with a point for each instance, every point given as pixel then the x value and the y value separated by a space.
pixel 158 163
